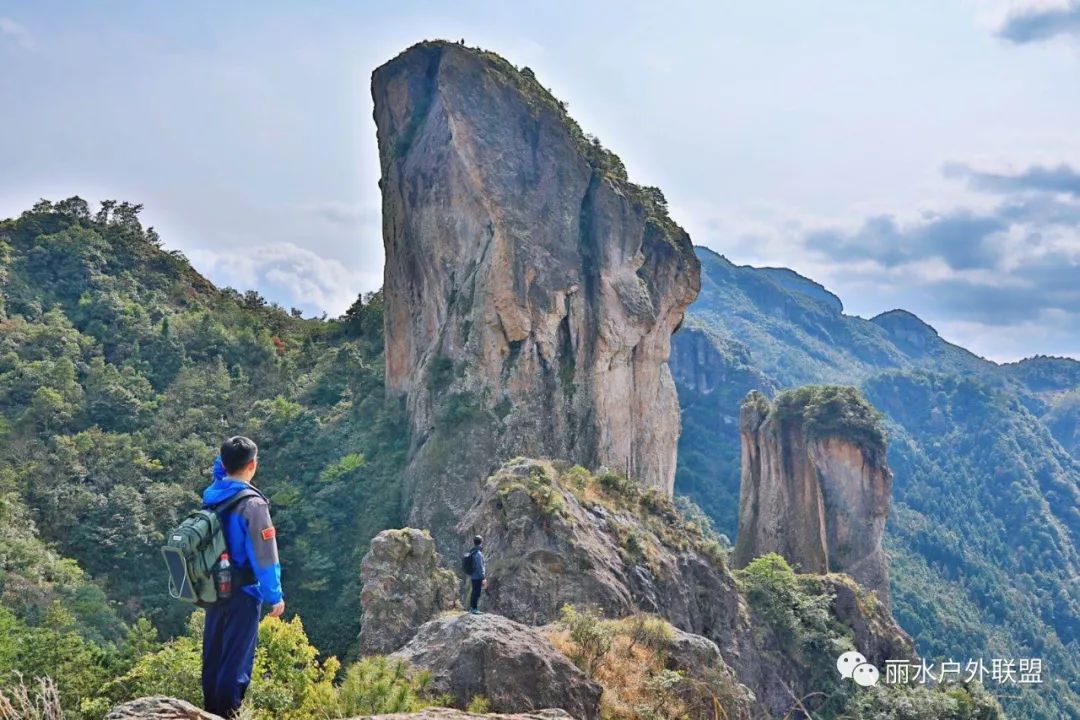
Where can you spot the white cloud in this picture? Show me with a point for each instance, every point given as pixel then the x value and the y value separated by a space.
pixel 997 273
pixel 1050 332
pixel 17 32
pixel 288 274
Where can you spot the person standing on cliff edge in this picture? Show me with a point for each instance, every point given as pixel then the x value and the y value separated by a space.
pixel 232 625
pixel 473 564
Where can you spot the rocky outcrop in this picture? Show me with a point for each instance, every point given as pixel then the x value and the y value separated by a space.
pixel 159 707
pixel 874 632
pixel 816 487
pixel 621 550
pixel 403 587
pixel 554 537
pixel 687 651
pixel 451 714
pixel 512 665
pixel 530 290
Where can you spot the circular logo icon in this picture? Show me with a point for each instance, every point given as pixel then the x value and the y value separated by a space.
pixel 847 662
pixel 865 675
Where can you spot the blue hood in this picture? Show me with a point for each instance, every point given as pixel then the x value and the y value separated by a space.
pixel 222 488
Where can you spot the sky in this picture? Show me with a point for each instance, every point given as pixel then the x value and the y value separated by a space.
pixel 920 154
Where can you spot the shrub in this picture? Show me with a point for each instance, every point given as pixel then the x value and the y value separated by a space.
pixel 649 631
pixel 376 685
pixel 655 501
pixel 834 411
pixel 799 617
pixel 478 704
pixel 577 478
pixel 632 669
pixel 615 484
pixel 590 634
pixel 919 702
pixel 288 680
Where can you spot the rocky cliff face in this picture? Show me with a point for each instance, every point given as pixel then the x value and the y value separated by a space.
pixel 815 484
pixel 531 291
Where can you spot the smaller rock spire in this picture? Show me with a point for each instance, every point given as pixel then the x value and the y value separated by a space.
pixel 816 487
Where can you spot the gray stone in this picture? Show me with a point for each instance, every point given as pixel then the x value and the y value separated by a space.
pixel 159 707
pixel 451 714
pixel 403 587
pixel 515 667
pixel 819 501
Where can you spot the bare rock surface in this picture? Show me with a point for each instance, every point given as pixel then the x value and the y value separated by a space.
pixel 816 487
pixel 403 587
pixel 451 714
pixel 514 666
pixel 620 552
pixel 530 289
pixel 159 707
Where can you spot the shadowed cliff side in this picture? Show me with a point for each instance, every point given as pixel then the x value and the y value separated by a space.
pixel 531 290
pixel 816 487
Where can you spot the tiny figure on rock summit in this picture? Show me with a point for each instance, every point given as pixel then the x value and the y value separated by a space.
pixel 472 564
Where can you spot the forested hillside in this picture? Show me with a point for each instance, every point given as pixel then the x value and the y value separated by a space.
pixel 121 369
pixel 985 529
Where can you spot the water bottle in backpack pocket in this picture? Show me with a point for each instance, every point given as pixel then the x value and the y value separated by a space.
pixel 223 578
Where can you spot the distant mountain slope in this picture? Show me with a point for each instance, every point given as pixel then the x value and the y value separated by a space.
pixel 985 533
pixel 1055 382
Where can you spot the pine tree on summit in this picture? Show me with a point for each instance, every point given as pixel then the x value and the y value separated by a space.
pixel 232 624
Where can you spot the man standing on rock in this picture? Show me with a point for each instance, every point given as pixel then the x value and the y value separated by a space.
pixel 477 573
pixel 232 624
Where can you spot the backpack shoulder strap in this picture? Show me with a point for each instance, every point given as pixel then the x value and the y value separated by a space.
pixel 227 505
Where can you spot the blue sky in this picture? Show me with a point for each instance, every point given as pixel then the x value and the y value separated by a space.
pixel 917 154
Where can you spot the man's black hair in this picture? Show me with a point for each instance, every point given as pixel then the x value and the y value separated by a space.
pixel 237 452
pixel 477 541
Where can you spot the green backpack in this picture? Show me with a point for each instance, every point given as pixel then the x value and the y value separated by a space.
pixel 192 552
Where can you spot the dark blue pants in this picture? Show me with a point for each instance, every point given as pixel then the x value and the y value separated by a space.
pixel 477 588
pixel 232 629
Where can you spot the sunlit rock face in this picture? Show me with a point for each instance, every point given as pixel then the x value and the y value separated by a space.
pixel 819 497
pixel 531 291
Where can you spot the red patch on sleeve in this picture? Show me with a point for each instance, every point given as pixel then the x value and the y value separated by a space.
pixel 269 533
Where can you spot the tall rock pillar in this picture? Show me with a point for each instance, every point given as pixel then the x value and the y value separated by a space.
pixel 530 289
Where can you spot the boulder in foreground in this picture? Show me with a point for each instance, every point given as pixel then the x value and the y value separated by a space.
pixel 451 714
pixel 159 707
pixel 512 665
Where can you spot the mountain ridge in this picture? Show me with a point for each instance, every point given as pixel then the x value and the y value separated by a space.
pixel 972 442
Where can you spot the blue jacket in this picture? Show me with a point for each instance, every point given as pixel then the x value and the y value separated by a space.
pixel 479 572
pixel 249 535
